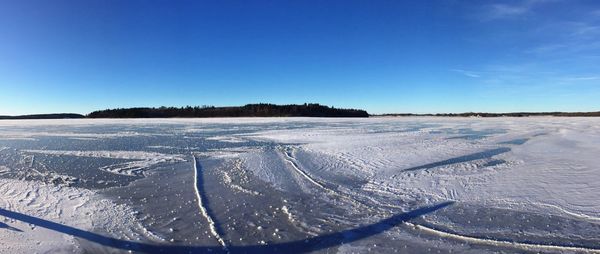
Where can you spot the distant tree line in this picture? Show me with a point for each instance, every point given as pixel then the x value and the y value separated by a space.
pixel 513 114
pixel 270 110
pixel 44 116
pixel 250 110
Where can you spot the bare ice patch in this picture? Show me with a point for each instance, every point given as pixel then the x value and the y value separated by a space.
pixel 141 160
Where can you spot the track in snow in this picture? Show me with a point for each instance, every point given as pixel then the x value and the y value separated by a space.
pixel 204 210
pixel 503 243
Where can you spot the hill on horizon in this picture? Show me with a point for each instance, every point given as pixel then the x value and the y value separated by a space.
pixel 249 110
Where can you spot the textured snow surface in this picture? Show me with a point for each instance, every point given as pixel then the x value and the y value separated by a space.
pixel 74 207
pixel 556 168
pixel 303 184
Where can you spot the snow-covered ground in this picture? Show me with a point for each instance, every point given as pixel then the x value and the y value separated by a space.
pixel 406 185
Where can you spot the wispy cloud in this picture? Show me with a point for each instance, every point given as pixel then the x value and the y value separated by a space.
pixel 534 77
pixel 563 37
pixel 545 48
pixel 471 74
pixel 584 78
pixel 568 39
pixel 585 29
pixel 505 11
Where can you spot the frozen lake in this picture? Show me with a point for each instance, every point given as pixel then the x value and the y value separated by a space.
pixel 276 185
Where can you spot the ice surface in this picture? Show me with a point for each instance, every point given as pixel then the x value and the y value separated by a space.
pixel 70 206
pixel 142 160
pixel 409 185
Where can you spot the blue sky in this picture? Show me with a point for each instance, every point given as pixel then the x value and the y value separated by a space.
pixel 383 56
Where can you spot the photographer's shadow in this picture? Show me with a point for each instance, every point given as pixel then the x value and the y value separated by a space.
pixel 306 245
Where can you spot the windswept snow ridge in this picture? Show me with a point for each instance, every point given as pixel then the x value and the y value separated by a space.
pixel 203 210
pixel 291 161
pixel 229 181
pixel 515 244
